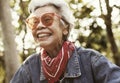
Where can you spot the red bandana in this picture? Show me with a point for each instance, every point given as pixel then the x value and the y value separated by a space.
pixel 53 68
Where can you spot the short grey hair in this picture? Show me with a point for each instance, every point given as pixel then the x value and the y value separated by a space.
pixel 64 9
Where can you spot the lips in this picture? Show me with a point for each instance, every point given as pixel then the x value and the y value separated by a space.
pixel 42 35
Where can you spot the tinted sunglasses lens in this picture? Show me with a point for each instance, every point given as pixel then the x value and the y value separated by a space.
pixel 32 22
pixel 47 19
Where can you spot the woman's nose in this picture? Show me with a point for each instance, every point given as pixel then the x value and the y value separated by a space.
pixel 40 26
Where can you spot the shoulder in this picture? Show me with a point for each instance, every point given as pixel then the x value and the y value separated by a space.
pixel 31 62
pixel 88 54
pixel 23 74
pixel 32 65
pixel 34 58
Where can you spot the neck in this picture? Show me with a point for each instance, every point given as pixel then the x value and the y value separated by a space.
pixel 54 50
pixel 53 53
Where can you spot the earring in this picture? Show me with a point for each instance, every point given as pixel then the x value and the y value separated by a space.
pixel 65 32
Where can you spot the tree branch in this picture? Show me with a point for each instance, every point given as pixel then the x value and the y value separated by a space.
pixel 116 6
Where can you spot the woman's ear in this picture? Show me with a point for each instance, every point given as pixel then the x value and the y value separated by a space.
pixel 65 31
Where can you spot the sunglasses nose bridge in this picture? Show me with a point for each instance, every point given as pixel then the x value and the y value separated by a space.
pixel 40 25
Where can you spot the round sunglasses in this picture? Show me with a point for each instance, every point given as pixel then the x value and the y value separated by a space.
pixel 46 19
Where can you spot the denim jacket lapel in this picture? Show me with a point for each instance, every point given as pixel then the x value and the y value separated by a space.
pixel 73 67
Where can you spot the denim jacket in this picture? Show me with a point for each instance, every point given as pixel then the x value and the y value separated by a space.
pixel 84 66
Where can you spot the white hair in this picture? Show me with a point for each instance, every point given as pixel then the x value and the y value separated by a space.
pixel 64 8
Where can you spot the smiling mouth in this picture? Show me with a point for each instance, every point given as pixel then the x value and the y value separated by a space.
pixel 43 35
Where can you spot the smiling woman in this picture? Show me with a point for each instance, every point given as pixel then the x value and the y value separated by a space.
pixel 59 60
pixel 47 28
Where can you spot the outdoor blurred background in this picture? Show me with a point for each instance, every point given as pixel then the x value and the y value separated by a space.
pixel 97 26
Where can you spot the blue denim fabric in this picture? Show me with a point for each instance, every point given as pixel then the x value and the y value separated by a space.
pixel 84 66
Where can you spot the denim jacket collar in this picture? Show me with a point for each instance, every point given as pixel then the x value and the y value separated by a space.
pixel 73 66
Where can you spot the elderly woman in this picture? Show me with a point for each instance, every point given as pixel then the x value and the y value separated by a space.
pixel 59 61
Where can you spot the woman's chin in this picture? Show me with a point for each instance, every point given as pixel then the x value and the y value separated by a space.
pixel 44 44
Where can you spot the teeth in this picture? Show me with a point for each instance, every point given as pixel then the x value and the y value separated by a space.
pixel 42 35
